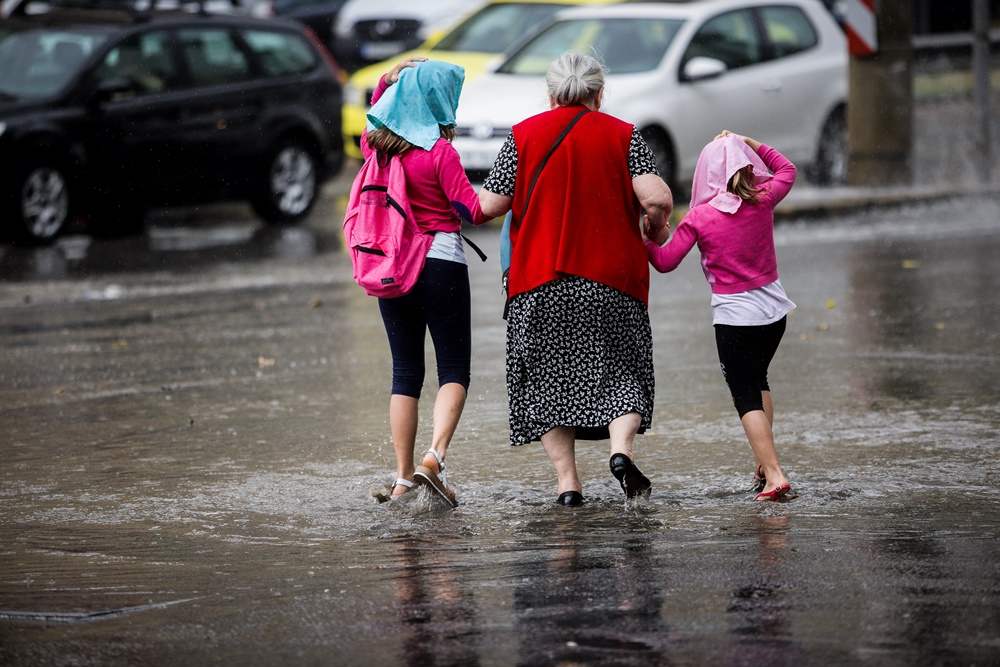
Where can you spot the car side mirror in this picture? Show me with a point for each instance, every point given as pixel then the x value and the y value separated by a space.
pixel 701 69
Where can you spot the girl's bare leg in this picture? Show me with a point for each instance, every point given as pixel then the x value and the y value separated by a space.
pixel 448 407
pixel 403 423
pixel 758 430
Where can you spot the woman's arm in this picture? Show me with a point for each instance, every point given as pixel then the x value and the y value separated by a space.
pixel 494 205
pixel 654 195
pixel 497 194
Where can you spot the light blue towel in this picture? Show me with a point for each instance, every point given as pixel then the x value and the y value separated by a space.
pixel 425 97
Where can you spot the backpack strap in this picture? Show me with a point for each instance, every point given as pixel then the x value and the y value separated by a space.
pixel 482 255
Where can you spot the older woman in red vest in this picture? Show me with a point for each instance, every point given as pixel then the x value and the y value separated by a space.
pixel 579 345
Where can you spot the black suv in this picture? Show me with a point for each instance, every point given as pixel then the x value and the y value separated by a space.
pixel 108 112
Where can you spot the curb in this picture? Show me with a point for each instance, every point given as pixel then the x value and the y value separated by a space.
pixel 824 203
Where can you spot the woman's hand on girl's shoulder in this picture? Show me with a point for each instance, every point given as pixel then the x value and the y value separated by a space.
pixel 392 76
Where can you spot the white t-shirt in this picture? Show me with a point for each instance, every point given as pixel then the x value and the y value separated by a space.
pixel 448 246
pixel 755 307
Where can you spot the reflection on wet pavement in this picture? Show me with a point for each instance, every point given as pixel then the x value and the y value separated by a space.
pixel 194 427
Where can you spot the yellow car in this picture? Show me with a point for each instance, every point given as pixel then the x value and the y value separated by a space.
pixel 472 43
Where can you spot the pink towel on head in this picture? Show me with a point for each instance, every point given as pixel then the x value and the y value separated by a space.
pixel 718 161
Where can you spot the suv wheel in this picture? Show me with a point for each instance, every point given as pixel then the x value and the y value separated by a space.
pixel 290 183
pixel 43 201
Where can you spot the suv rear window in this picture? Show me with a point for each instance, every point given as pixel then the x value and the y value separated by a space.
pixel 281 53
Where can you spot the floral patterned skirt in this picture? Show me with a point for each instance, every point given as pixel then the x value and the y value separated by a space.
pixel 579 353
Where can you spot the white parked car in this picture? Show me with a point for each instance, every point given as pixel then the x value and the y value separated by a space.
pixel 776 70
pixel 369 31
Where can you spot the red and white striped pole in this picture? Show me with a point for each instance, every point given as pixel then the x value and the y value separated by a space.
pixel 859 22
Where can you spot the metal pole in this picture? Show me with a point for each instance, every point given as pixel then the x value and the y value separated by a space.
pixel 981 84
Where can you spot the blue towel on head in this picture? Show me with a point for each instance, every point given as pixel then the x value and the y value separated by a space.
pixel 425 97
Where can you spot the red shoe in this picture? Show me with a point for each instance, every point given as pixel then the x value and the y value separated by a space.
pixel 758 483
pixel 774 494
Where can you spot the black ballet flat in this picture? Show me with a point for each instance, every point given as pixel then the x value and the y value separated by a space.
pixel 633 482
pixel 570 499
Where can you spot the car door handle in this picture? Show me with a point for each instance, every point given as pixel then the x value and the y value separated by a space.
pixel 770 86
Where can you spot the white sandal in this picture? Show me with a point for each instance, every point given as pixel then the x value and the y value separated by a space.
pixel 400 481
pixel 437 480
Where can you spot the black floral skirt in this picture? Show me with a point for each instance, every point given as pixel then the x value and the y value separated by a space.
pixel 579 353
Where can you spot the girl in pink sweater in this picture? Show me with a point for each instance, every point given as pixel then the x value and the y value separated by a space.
pixel 731 220
pixel 413 115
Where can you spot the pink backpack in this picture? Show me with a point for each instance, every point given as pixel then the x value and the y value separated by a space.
pixel 387 248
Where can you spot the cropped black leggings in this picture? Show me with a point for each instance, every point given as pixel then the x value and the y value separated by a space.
pixel 439 303
pixel 745 353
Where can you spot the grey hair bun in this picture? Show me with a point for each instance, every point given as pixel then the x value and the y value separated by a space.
pixel 574 78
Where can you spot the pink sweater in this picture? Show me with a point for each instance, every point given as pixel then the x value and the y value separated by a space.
pixel 737 249
pixel 436 184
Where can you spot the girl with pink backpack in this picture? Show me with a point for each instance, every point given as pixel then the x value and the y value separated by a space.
pixel 413 116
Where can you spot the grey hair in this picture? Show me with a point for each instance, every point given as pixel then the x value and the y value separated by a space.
pixel 574 78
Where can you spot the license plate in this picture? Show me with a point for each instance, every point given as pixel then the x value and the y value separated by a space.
pixel 478 159
pixel 381 50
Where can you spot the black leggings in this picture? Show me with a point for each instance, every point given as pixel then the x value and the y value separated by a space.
pixel 439 303
pixel 745 353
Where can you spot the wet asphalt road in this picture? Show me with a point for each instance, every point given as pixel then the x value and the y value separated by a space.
pixel 194 425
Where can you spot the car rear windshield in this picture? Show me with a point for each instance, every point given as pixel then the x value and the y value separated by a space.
pixel 38 63
pixel 626 45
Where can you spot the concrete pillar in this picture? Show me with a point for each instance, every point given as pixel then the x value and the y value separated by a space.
pixel 880 111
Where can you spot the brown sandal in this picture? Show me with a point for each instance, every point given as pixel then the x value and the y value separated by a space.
pixel 436 480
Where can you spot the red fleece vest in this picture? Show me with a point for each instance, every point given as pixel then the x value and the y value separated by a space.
pixel 583 218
